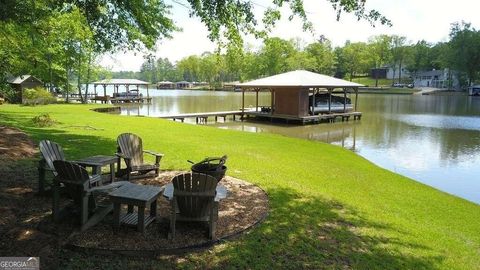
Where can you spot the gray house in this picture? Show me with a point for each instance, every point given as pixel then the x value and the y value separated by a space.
pixel 443 79
pixel 393 72
pixel 390 72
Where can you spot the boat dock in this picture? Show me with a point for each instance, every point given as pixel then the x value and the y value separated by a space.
pixel 202 118
pixel 310 119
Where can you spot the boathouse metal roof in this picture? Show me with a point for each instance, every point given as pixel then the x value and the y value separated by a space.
pixel 122 82
pixel 299 79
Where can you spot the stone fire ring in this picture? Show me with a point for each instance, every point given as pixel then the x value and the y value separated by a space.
pixel 245 207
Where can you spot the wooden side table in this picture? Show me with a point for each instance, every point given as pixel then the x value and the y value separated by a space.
pixel 133 195
pixel 97 162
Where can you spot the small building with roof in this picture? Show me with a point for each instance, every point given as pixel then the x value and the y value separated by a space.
pixel 165 85
pixel 23 82
pixel 183 85
pixel 294 96
pixel 131 93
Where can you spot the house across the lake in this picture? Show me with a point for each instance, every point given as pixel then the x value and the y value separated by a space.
pixel 390 72
pixel 442 79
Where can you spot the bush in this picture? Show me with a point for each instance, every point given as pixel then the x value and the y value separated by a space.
pixel 7 93
pixel 38 95
pixel 43 120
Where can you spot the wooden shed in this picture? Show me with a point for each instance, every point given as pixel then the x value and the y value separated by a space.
pixel 24 82
pixel 295 95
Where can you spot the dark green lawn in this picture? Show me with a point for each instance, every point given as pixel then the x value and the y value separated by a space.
pixel 329 207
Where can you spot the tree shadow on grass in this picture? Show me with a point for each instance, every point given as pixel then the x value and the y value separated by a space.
pixel 312 233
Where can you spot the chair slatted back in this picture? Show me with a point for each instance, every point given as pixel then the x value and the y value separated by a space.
pixel 131 146
pixel 194 193
pixel 71 173
pixel 51 151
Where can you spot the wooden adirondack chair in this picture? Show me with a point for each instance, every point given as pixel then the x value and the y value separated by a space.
pixel 79 184
pixel 194 200
pixel 130 149
pixel 50 151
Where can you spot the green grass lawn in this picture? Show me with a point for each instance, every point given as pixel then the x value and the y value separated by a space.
pixel 329 207
pixel 370 82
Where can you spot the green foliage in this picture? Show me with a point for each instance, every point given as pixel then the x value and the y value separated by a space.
pixel 43 120
pixel 464 50
pixel 8 93
pixel 355 59
pixel 37 96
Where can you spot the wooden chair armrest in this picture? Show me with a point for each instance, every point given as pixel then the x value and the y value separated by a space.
pixel 153 153
pixel 158 156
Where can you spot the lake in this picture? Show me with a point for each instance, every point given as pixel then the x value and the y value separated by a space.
pixel 432 139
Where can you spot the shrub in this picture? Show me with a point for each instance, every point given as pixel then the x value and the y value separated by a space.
pixel 43 120
pixel 38 95
pixel 8 93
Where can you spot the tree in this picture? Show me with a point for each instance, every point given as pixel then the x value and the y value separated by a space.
pixel 400 53
pixel 379 50
pixel 464 47
pixel 189 67
pixel 322 57
pixel 166 71
pixel 135 23
pixel 25 27
pixel 274 54
pixel 421 57
pixel 356 58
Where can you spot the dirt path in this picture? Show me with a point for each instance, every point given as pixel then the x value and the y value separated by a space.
pixel 15 144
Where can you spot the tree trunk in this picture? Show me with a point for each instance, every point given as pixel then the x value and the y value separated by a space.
pixel 79 78
pixel 400 71
pixel 394 72
pixel 67 86
pixel 89 68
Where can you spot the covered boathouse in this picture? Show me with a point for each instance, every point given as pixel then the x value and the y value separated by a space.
pixel 294 97
pixel 131 93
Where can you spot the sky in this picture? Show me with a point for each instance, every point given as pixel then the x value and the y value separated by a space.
pixel 429 20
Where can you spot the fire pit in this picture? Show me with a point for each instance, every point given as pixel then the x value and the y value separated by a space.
pixel 213 166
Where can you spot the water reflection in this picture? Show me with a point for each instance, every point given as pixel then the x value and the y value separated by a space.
pixel 433 139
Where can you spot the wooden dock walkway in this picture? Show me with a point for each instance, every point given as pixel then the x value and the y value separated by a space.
pixel 307 119
pixel 203 116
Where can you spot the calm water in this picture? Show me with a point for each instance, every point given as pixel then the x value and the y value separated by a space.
pixel 433 139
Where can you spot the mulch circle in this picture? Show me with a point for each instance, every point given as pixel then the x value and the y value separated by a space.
pixel 245 206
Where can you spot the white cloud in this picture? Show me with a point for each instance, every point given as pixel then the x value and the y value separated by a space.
pixel 427 19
